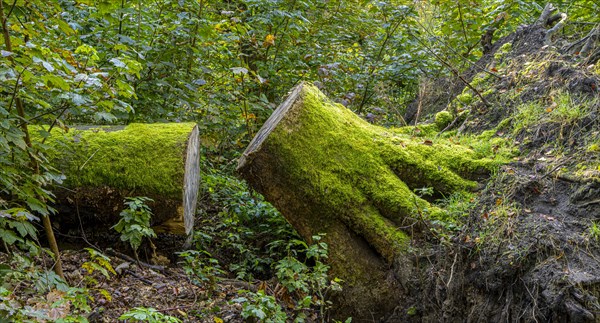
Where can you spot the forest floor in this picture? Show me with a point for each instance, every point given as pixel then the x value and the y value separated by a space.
pixel 170 291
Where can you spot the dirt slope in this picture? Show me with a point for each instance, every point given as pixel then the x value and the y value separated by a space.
pixel 531 248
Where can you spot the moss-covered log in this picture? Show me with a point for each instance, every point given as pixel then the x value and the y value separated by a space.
pixel 103 165
pixel 328 171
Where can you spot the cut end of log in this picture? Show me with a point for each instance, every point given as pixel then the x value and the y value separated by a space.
pixel 191 180
pixel 269 125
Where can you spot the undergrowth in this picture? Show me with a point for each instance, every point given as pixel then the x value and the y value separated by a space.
pixel 239 228
pixel 241 235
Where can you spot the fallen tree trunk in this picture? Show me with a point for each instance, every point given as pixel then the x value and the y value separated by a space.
pixel 328 171
pixel 103 165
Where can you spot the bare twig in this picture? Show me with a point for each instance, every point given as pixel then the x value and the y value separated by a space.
pixel 448 127
pixel 548 10
pixel 452 69
pixel 452 270
pixel 458 55
pixel 590 42
pixel 550 32
pixel 420 102
pixel 142 279
pixel 115 253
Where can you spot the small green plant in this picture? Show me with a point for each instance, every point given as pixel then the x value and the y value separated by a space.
pixel 568 108
pixel 310 284
pixel 16 229
pixel 259 307
pixel 134 225
pixel 236 235
pixel 411 311
pixel 304 275
pixel 202 268
pixel 594 231
pixel 98 262
pixel 61 305
pixel 457 207
pixel 148 314
pixel 424 191
pixel 348 320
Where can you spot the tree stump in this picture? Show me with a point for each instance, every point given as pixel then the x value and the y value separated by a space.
pixel 103 165
pixel 328 171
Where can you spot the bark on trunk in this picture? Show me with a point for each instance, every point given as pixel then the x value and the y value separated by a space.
pixel 328 171
pixel 103 165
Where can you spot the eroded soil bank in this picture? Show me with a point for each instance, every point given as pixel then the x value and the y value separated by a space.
pixel 529 249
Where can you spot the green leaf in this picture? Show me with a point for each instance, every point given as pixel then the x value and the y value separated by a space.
pixel 125 89
pixel 16 136
pixel 239 70
pixel 54 81
pixel 8 236
pixel 259 313
pixel 65 28
pixel 19 227
pixel 106 116
pixel 118 63
pixel 48 66
pixel 37 206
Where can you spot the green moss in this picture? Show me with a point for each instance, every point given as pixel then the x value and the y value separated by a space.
pixel 479 79
pixel 443 119
pixel 502 51
pixel 488 92
pixel 366 174
pixel 465 98
pixel 564 109
pixel 532 71
pixel 147 158
pixel 593 148
pixel 422 130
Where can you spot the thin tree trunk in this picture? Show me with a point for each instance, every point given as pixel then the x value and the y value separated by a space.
pixel 33 161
